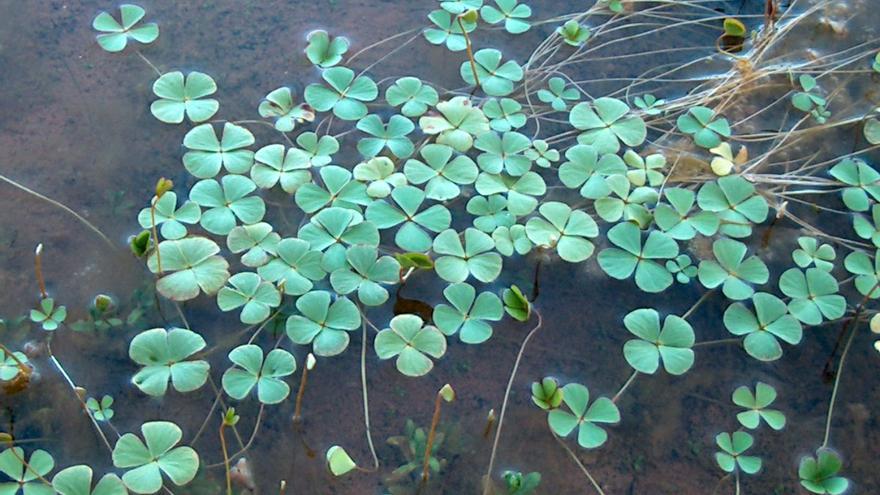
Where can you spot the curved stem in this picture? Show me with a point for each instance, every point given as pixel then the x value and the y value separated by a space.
pixel 580 464
pixel 625 386
pixel 366 398
pixel 519 355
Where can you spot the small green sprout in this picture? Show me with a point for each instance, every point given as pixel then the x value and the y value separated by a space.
pixel 49 316
pixel 707 131
pixel 731 457
pixel 819 474
pixel 547 394
pixel 339 462
pixel 518 484
pixel 516 304
pixel 573 33
pixel 101 411
pixel 650 104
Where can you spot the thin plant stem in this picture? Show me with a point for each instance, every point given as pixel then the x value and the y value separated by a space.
pixel 580 464
pixel 366 397
pixel 29 468
pixel 625 386
pixel 225 458
pixel 697 304
pixel 250 440
pixel 470 51
pixel 61 206
pixel 849 341
pixel 719 341
pixel 519 355
pixel 297 416
pixel 737 482
pixel 156 235
pixel 147 61
pixel 431 433
pixel 38 270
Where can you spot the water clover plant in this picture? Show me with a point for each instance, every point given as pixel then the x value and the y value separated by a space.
pixel 227 202
pixel 557 95
pixel 339 190
pixel 475 257
pixel 9 367
pixel 605 125
pixel 513 239
pixel 564 229
pixel 412 96
pixel 411 341
pixel 505 114
pixel 583 416
pixel 495 78
pixel 518 484
pixel 468 313
pixel 763 327
pixel 682 268
pixel 650 104
pixel 163 355
pixel 449 29
pixel 810 101
pixel 364 272
pixel 115 35
pixel 391 135
pixel 490 212
pixel 171 218
pixel 48 315
pixel 862 180
pixel 867 273
pixel 586 171
pixel 573 33
pixel 813 295
pixel 678 218
pixel 148 459
pixel 732 270
pixel 207 153
pixel 77 480
pixel 331 230
pixel 707 131
pixel 272 166
pixel 279 105
pixel 256 241
pixel 460 6
pixel 101 410
pixel 626 202
pixel 515 304
pixel 323 51
pixel 542 154
pixel 670 344
pixel 323 324
pixel 632 256
pixel 756 407
pixel 810 252
pixel 251 371
pixel 819 474
pixel 415 225
pixel 248 291
pixel 315 150
pixel 736 203
pixel 296 266
pixel 644 170
pixel 194 266
pixel 513 15
pixel 547 394
pixel 181 96
pixel 457 125
pixel 731 457
pixel 345 96
pixel 868 229
pixel 521 192
pixel 503 153
pixel 441 173
pixel 25 477
pixel 338 461
pixel 379 173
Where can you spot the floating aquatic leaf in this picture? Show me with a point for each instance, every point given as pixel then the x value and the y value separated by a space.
pixel 171 218
pixel 605 124
pixel 227 202
pixel 323 324
pixel 251 371
pixel 547 394
pixel 115 35
pixel 77 480
pixel 9 367
pixel 448 29
pixel 863 181
pixel 810 252
pixel 49 316
pixel 457 261
pixel 583 418
pixel 505 114
pixel 707 131
pixel 195 267
pixel 557 95
pixel 574 33
pixel 564 229
pixel 495 78
pixel 411 341
pixel 682 268
pixel 626 202
pixel 512 239
pixel 813 295
pixel 756 407
pixel 273 166
pixel 457 125
pixel 670 344
pixel 297 266
pixel 257 239
pixel 516 304
pixel 163 355
pixel 736 203
pixel 732 271
pixel 25 477
pixel 819 474
pixel 101 411
pixel 207 153
pixel 769 321
pixel 440 172
pixel 503 153
pixel 679 220
pixel 521 192
pixel 414 96
pixel 584 169
pixel 280 105
pixel 148 459
pixel 345 96
pixel 391 135
pixel 379 173
pixel 339 190
pixel 181 96
pixel 414 233
pixel 631 256
pixel 468 314
pixel 249 291
pixel 513 15
pixel 731 457
pixel 650 104
pixel 332 230
pixel 542 154
pixel 324 52
pixel 364 272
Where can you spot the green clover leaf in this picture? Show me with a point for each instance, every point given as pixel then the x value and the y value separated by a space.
pixel 505 114
pixel 468 313
pixel 391 135
pixel 457 125
pixel 195 267
pixel 679 220
pixel 756 407
pixel 584 170
pixel 495 78
pixel 440 172
pixel 273 166
pixel 819 474
pixel 297 266
pixel 149 461
pixel 521 192
pixel 227 202
pixel 731 456
pixel 345 96
pixel 732 270
pixel 707 131
pixel 671 344
pixel 364 272
pixel 324 325
pixel 49 316
pixel 251 371
pixel 736 203
pixel 415 225
pixel 339 190
pixel 414 96
pixel 448 29
pixel 181 96
pixel 557 95
pixel 810 252
pixel 631 256
pixel 171 218
pixel 324 52
pixel 411 341
pixel 280 105
pixel 26 478
pixel 163 355
pixel 77 480
pixel 564 229
pixel 332 230
pixel 513 15
pixel 605 124
pixel 769 322
pixel 207 153
pixel 256 241
pixel 503 153
pixel 249 291
pixel 585 419
pixel 475 258
pixel 115 35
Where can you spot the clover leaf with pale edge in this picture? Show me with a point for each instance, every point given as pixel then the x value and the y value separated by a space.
pixel 736 203
pixel 678 218
pixel 707 131
pixel 605 125
pixel 249 291
pixel 631 256
pixel 324 52
pixel 468 313
pixel 163 355
pixel 26 478
pixel 441 173
pixel 810 252
pixel 251 370
pixel 227 202
pixel 733 271
pixel 339 190
pixel 272 165
pixel 670 344
pixel 391 135
pixel 49 316
pixel 380 176
pixel 345 96
pixel 457 125
pixel 756 407
pixel 280 105
pixel 148 459
pixel 564 229
pixel 171 218
pixel 495 78
pixel 364 272
pixel 297 266
pixel 813 295
pixel 207 153
pixel 195 267
pixel 505 114
pixel 819 474
pixel 412 96
pixel 411 341
pixel 115 35
pixel 257 240
pixel 181 96
pixel 583 416
pixel 763 327
pixel 475 258
pixel 324 325
pixel 731 455
pixel 77 480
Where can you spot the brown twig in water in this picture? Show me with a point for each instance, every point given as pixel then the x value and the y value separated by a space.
pixel 38 269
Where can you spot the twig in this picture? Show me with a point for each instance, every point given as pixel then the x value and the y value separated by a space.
pixel 38 269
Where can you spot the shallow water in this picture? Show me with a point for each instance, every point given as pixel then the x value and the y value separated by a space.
pixel 76 127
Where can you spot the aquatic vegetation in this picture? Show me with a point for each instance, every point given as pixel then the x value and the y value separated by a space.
pixel 756 407
pixel 115 35
pixel 324 51
pixel 731 457
pixel 702 124
pixel 48 315
pixel 26 473
pixel 181 96
pixel 345 96
pixel 670 344
pixel 573 33
pixel 512 13
pixel 253 371
pixel 411 342
pixel 819 474
pixel 517 483
pixel 557 94
pixel 163 355
pixel 583 416
pixel 77 480
pixel 280 105
pixel 101 411
pixel 494 77
pixel 147 460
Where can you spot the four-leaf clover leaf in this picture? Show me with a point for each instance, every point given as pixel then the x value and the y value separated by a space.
pixel 324 325
pixel 733 271
pixel 605 124
pixel 171 218
pixel 819 474
pixel 732 448
pixel 345 96
pixel 412 342
pixel 227 202
pixel 468 313
pixel 556 94
pixel 324 52
pixel 194 264
pixel 163 353
pixel 756 406
pixel 250 292
pixel 207 153
pixel 279 104
pixel 153 456
pixel 512 13
pixel 26 478
pixel 267 375
pixel 565 229
pixel 631 256
pixel 769 322
pixel 442 173
pixel 391 135
pixel 583 416
pixel 297 266
pixel 495 78
pixel 813 295
pixel 707 131
pixel 414 224
pixel 364 272
pixel 670 344
pixel 414 96
pixel 458 261
pixel 181 96
pixel 77 480
pixel 114 35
